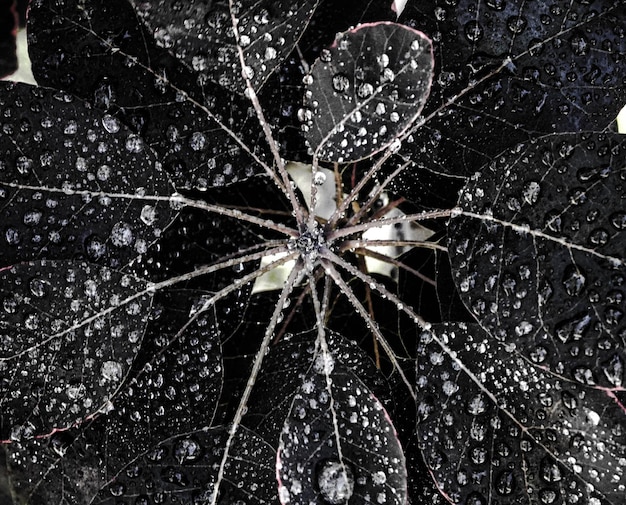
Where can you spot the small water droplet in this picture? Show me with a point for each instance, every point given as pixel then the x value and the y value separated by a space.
pixel 574 280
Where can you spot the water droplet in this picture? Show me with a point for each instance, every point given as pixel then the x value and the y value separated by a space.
pixel 197 142
pixel 549 470
pixel 122 235
pixel 110 123
pixel 477 405
pixel 148 215
pixel 473 31
pixel 618 220
pixel 530 192
pixel 335 481
pixel 614 370
pixel 134 143
pixel 579 44
pixel 186 450
pixel 497 5
pixel 163 38
pixel 111 371
pixel 95 248
pixel 505 483
pixel 172 475
pixel 270 53
pixel 547 496
pixel 574 280
pixel 516 24
pixel 478 455
pixel 340 83
pixel 319 178
pixel 365 90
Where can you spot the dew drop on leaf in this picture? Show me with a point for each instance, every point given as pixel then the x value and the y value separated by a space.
pixel 335 481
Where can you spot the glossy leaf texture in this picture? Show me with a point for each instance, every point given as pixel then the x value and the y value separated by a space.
pixel 338 444
pixel 70 331
pixel 72 182
pixel 175 388
pixel 496 428
pixel 195 129
pixel 365 90
pixel 538 253
pixel 183 469
pixel 202 36
pixel 509 70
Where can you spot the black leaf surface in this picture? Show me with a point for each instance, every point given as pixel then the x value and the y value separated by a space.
pixel 196 129
pixel 538 253
pixel 62 163
pixel 493 426
pixel 183 469
pixel 365 90
pixel 338 444
pixel 202 36
pixel 153 353
pixel 70 331
pixel 175 391
pixel 507 71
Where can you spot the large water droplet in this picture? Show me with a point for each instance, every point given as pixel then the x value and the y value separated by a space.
pixel 341 83
pixel 335 481
pixel 477 405
pixel 549 470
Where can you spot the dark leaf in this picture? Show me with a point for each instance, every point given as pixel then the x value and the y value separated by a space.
pixel 183 469
pixel 72 182
pixel 281 98
pixel 366 90
pixel 184 372
pixel 537 252
pixel 338 444
pixel 195 130
pixel 508 70
pixel 70 331
pixel 283 374
pixel 495 427
pixel 202 35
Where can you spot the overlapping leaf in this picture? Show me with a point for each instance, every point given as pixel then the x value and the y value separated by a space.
pixel 195 129
pixel 71 181
pixel 538 253
pixel 365 90
pixel 69 333
pixel 511 432
pixel 283 374
pixel 175 392
pixel 338 444
pixel 513 70
pixel 202 35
